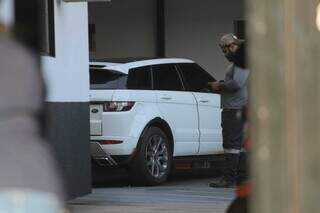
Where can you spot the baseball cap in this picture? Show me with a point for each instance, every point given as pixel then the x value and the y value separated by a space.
pixel 228 39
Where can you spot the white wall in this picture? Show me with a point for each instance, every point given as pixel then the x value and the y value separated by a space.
pixel 124 28
pixel 193 30
pixel 67 74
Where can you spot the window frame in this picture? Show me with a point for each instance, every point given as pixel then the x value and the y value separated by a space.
pixel 49 50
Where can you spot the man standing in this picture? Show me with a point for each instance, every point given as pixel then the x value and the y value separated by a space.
pixel 234 98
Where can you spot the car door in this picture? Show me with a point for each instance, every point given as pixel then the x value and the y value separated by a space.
pixel 196 80
pixel 178 107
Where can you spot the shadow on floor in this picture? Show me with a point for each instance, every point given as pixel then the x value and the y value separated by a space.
pixel 119 177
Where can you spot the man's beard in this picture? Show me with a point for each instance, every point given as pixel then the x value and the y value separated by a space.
pixel 230 57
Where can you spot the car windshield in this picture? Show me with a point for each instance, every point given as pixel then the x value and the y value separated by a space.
pixel 107 79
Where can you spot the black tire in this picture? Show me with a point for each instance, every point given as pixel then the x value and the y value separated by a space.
pixel 150 166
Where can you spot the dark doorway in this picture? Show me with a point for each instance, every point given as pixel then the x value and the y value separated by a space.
pixel 240 28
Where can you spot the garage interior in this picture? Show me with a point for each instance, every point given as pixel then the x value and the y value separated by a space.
pixel 286 176
pixel 164 28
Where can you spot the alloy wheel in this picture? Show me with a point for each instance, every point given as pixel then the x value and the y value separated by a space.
pixel 157 156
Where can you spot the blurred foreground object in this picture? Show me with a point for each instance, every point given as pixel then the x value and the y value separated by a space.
pixel 285 104
pixel 27 201
pixel 29 178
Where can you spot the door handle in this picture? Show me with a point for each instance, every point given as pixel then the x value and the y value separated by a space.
pixel 204 101
pixel 166 98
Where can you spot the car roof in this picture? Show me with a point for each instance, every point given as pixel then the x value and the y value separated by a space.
pixel 126 65
pixel 124 60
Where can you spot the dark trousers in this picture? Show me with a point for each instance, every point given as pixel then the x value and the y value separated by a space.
pixel 232 130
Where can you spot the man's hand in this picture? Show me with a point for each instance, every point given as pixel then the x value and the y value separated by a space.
pixel 214 85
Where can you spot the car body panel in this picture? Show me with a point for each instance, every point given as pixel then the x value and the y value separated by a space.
pixel 127 126
pixel 179 109
pixel 209 123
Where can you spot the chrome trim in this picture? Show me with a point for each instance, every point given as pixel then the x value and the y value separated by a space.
pixel 101 156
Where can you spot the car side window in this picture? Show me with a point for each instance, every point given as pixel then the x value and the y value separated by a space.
pixel 140 78
pixel 107 79
pixel 166 77
pixel 195 78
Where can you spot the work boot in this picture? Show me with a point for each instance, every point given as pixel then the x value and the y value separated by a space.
pixel 222 183
pixel 242 168
pixel 229 174
pixel 231 167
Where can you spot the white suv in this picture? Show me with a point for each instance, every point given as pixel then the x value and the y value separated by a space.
pixel 146 113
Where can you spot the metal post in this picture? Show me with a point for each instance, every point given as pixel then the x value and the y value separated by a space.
pixel 160 28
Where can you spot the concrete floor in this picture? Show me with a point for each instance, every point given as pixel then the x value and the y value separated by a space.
pixel 180 195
